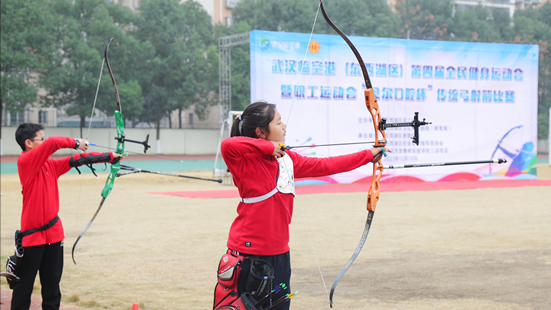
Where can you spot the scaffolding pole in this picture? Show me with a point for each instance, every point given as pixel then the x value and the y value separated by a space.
pixel 224 66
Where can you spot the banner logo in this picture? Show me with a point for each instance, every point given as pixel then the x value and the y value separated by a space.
pixel 314 47
pixel 264 44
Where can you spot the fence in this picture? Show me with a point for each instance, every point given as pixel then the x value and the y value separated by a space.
pixel 171 142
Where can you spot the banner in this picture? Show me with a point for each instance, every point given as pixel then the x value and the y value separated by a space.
pixel 481 99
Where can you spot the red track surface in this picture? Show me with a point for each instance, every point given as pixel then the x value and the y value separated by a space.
pixel 387 187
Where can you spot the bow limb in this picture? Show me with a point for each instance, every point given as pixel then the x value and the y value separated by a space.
pixel 119 119
pixel 115 167
pixel 85 229
pixel 380 141
pixel 112 76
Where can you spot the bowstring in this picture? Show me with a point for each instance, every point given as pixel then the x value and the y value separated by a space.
pixel 303 59
pixel 289 180
pixel 95 99
pixel 88 136
pixel 312 246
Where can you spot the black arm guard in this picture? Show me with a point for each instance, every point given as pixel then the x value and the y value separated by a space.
pixel 88 159
pixel 80 159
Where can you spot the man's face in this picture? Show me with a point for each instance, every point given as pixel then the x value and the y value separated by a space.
pixel 36 141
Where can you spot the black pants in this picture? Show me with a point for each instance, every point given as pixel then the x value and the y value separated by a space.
pixel 48 261
pixel 282 274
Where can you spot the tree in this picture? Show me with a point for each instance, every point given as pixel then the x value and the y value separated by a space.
pixel 544 80
pixel 353 17
pixel 72 80
pixel 361 18
pixel 425 19
pixel 183 65
pixel 272 15
pixel 198 79
pixel 475 25
pixel 533 26
pixel 29 39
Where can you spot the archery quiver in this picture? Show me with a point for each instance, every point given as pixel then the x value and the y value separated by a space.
pixel 225 292
pixel 13 261
pixel 261 276
pixel 245 302
pixel 272 300
pixel 257 284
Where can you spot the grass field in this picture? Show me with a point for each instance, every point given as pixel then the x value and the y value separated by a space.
pixel 462 249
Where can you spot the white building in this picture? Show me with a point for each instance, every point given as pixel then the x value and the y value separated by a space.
pixel 508 5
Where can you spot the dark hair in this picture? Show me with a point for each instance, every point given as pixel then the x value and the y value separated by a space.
pixel 257 115
pixel 26 131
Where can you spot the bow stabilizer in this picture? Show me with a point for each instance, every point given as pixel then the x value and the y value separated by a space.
pixel 131 170
pixel 456 163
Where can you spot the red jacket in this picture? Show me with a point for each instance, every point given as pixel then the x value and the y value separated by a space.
pixel 38 175
pixel 262 228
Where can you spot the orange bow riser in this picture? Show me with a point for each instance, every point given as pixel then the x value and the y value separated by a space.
pixel 375 188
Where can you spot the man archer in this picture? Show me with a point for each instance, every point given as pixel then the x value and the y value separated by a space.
pixel 41 230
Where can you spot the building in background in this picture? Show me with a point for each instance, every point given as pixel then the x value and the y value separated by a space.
pixel 134 5
pixel 219 10
pixel 392 4
pixel 508 5
pixel 223 11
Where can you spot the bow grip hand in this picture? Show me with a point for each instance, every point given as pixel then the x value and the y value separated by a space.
pixel 279 149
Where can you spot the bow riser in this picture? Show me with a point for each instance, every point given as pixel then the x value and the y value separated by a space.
pixel 375 188
pixel 373 108
pixel 110 180
pixel 380 141
pixel 120 130
pixel 109 183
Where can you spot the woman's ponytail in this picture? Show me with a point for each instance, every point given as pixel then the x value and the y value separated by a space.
pixel 237 127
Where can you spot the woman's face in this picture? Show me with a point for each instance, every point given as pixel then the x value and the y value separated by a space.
pixel 277 129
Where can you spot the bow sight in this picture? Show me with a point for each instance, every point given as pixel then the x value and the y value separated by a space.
pixel 415 124
pixel 123 139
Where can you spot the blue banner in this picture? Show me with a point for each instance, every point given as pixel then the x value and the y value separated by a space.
pixel 481 99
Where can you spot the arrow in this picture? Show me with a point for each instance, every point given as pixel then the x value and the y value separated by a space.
pixel 329 144
pixel 491 161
